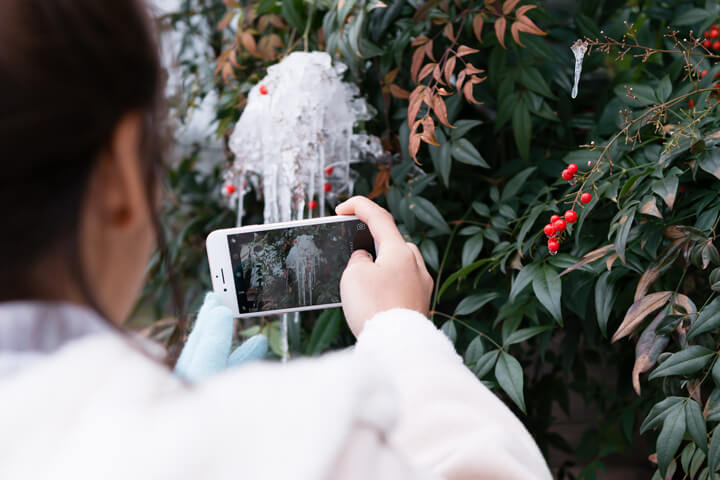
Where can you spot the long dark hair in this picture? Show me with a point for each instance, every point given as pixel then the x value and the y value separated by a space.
pixel 69 71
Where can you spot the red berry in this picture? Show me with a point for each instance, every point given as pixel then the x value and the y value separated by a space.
pixel 263 90
pixel 717 75
pixel 691 104
pixel 566 174
pixel 329 170
pixel 553 245
pixel 570 216
pixel 313 204
pixel 716 86
pixel 714 33
pixel 707 33
pixel 559 225
pixel 715 27
pixel 585 197
pixel 707 44
pixel 716 45
pixel 230 189
pixel 327 187
pixel 549 230
pixel 572 168
pixel 554 218
pixel 702 75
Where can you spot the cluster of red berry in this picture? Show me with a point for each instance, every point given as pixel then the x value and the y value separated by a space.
pixel 711 38
pixel 557 225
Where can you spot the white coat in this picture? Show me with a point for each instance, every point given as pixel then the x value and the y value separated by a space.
pixel 80 401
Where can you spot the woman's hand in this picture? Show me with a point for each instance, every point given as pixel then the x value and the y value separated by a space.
pixel 396 279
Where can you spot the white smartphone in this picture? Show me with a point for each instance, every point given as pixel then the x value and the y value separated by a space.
pixel 284 267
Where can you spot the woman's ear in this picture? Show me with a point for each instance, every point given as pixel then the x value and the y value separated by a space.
pixel 121 187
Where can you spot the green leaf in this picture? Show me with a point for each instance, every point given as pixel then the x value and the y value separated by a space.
pixel 291 10
pixel 462 127
pixel 509 375
pixel 686 456
pixel 512 187
pixel 714 451
pixel 525 333
pixel 481 209
pixel 691 16
pixel 475 302
pixel 522 129
pixel 658 413
pixel 664 89
pixel 327 327
pixel 623 232
pixel 536 211
pixel 532 79
pixel 670 437
pixel 441 157
pixel 696 424
pixel 471 249
pixel 474 351
pixel 429 251
pixel 710 162
pixel 684 362
pixel 644 94
pixel 448 328
pixel 485 364
pixel 708 319
pixel 604 299
pixel 523 279
pixel 548 290
pixel 428 213
pixel 464 151
pixel 716 373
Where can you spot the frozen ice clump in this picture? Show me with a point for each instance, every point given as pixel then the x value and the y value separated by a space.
pixel 303 259
pixel 296 138
pixel 578 48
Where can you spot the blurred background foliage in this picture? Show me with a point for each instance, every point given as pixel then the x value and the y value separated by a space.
pixel 639 268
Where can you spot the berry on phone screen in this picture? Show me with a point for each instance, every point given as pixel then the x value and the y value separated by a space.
pixel 313 204
pixel 327 187
pixel 230 189
pixel 329 170
pixel 263 90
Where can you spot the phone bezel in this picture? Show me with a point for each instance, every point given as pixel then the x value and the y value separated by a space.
pixel 218 253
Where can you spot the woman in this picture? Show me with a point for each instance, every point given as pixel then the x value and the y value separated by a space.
pixel 79 123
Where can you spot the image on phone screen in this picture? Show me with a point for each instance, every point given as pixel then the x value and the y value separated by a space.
pixel 294 267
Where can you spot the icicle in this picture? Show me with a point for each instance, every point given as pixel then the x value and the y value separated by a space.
pixel 578 48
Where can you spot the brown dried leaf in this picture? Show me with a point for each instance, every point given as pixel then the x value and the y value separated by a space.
pixel 508 6
pixel 674 232
pixel 662 263
pixel 650 208
pixel 417 60
pixel 529 26
pixel 429 50
pixel 414 145
pixel 421 40
pixel 478 23
pixel 468 92
pixel 428 134
pixel 227 73
pixel 248 42
pixel 391 76
pixel 500 25
pixel 426 70
pixel 515 32
pixel 523 10
pixel 449 68
pixel 444 92
pixel 460 80
pixel 277 22
pixel 465 50
pixel 225 20
pixel 649 347
pixel 638 311
pixel 416 101
pixel 398 92
pixel 382 183
pixel 610 260
pixel 437 74
pixel 472 69
pixel 440 110
pixel 589 258
pixel 449 31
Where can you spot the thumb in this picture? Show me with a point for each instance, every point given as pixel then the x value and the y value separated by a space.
pixel 360 257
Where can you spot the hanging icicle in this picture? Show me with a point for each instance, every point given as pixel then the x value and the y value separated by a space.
pixel 578 48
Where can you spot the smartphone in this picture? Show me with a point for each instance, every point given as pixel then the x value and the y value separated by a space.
pixel 284 267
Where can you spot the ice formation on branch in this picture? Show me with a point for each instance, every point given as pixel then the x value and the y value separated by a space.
pixel 303 259
pixel 578 48
pixel 295 140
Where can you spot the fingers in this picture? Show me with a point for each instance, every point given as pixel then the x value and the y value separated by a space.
pixel 359 257
pixel 418 256
pixel 379 221
pixel 254 348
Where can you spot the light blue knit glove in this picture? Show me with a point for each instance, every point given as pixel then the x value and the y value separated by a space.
pixel 207 350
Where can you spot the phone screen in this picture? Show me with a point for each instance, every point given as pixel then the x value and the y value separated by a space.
pixel 293 267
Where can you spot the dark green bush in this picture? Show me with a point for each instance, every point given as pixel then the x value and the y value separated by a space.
pixel 633 287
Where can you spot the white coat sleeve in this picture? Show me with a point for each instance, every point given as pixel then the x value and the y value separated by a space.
pixel 450 423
